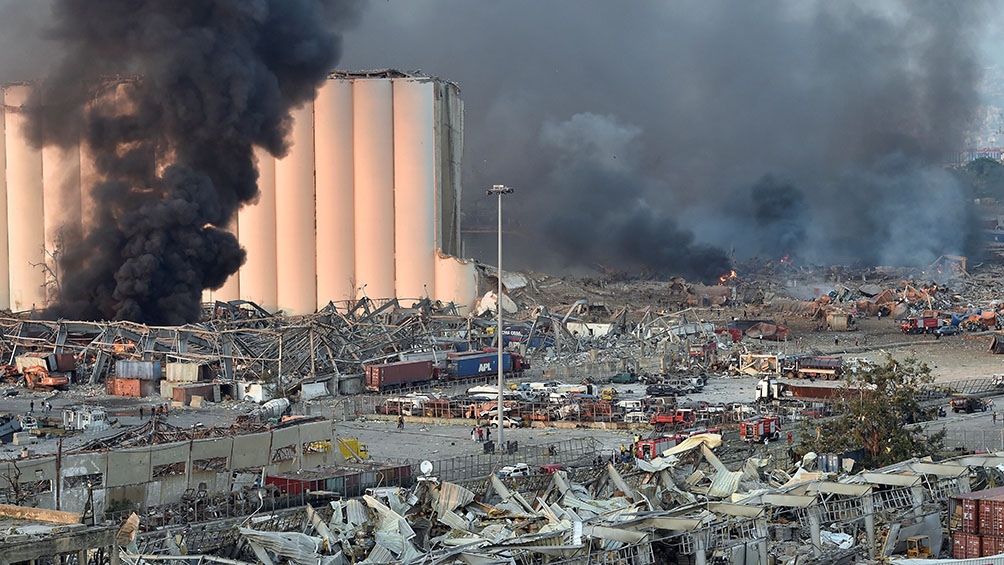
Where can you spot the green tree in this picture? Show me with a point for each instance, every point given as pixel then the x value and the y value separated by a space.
pixel 877 410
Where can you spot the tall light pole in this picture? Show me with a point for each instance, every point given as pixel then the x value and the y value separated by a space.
pixel 499 190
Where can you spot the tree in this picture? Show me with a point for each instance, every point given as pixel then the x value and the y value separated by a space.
pixel 878 410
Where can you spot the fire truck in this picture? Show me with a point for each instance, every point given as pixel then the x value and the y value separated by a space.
pixel 919 325
pixel 649 448
pixel 676 419
pixel 759 430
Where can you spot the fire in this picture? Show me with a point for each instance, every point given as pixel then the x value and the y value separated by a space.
pixel 730 275
pixel 786 258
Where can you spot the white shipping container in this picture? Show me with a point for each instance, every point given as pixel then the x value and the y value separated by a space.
pixel 183 372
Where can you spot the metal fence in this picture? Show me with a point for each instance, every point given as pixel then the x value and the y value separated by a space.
pixel 462 468
pixel 975 440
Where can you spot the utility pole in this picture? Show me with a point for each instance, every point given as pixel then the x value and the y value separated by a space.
pixel 499 190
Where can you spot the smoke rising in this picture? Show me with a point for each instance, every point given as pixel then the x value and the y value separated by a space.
pixel 173 144
pixel 658 134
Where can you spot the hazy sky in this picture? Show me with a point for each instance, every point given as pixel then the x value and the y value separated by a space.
pixel 667 136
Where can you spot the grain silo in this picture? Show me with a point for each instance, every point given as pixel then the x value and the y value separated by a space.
pixel 365 203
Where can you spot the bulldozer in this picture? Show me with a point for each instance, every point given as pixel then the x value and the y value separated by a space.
pixel 918 547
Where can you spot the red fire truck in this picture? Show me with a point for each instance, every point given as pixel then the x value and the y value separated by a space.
pixel 650 448
pixel 676 419
pixel 759 430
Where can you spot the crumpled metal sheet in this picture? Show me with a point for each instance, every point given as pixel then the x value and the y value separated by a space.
pixel 724 483
pixel 451 496
pixel 298 548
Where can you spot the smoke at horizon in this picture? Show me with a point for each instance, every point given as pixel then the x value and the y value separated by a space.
pixel 174 149
pixel 657 135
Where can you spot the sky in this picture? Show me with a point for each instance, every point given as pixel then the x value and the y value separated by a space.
pixel 671 138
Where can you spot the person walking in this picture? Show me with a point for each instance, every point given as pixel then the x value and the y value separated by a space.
pixel 995 418
pixel 400 422
pixel 488 433
pixel 31 407
pixel 481 434
pixel 474 433
pixel 140 412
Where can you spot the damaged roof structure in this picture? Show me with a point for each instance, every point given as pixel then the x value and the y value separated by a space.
pixel 684 506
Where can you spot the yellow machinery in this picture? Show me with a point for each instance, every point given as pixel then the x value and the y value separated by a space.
pixel 352 450
pixel 918 547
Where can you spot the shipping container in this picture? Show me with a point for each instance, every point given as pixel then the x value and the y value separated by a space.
pixel 993 545
pixel 146 370
pixel 966 545
pixel 384 376
pixel 184 393
pixel 970 516
pixel 992 518
pixel 61 363
pixel 136 388
pixel 187 372
pixel 24 361
pixel 483 363
pixel 964 511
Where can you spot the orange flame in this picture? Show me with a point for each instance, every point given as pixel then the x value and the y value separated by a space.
pixel 730 275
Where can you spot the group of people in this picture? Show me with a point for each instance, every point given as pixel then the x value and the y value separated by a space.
pixel 159 410
pixel 481 434
pixel 46 407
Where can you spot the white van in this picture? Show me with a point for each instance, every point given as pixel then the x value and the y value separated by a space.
pixel 630 405
pixel 636 418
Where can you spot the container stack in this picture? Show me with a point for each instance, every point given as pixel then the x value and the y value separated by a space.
pixel 976 523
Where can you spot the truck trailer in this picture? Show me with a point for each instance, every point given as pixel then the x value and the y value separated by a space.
pixel 483 363
pixel 385 376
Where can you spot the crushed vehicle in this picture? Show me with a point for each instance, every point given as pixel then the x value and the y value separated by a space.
pixel 515 470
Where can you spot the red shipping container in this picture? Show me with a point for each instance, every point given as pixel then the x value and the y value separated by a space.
pixel 966 545
pixel 993 545
pixel 970 516
pixel 992 518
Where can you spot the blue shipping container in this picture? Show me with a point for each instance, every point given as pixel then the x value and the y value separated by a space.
pixel 480 364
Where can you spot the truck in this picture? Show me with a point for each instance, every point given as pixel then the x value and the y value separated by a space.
pixel 484 363
pixel 760 429
pixel 385 376
pixel 967 404
pixel 812 367
pixel 679 418
pixel 919 324
pixel 648 448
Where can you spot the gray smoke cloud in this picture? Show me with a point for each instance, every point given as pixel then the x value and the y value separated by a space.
pixel 659 134
pixel 213 79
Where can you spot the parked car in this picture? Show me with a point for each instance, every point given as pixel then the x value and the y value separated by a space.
pixel 10 392
pixel 947 330
pixel 550 469
pixel 624 378
pixel 508 422
pixel 516 470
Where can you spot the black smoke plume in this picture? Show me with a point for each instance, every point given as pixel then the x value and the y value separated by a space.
pixel 781 214
pixel 205 82
pixel 857 104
